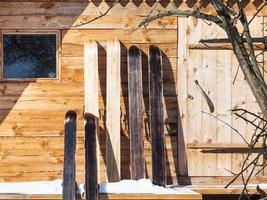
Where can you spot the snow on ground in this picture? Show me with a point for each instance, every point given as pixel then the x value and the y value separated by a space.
pixel 142 186
pixel 36 187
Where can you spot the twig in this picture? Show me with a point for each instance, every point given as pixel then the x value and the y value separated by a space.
pixel 257 12
pixel 98 17
pixel 228 126
pixel 236 74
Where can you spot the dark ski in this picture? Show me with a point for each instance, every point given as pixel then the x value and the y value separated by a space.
pixel 156 115
pixel 91 128
pixel 135 90
pixel 69 184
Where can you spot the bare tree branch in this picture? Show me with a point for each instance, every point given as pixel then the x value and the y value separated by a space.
pixel 98 17
pixel 180 13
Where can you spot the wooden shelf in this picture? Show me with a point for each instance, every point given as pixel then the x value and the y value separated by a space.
pixel 220 189
pixel 218 146
pixel 106 197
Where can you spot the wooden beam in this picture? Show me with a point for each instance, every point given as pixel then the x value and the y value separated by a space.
pixel 135 90
pixel 91 186
pixel 226 40
pixel 259 43
pixel 219 146
pixel 69 185
pixel 113 111
pixel 156 115
pixel 222 46
pixel 195 196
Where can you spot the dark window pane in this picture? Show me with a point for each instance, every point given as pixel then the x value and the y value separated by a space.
pixel 29 56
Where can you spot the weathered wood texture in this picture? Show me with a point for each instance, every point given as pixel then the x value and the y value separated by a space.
pixel 113 132
pixel 135 90
pixel 69 171
pixel 156 115
pixel 217 73
pixel 32 113
pixel 91 167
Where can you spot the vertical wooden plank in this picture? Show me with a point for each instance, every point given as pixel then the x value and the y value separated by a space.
pixel 91 186
pixel 113 111
pixel 208 83
pixel 156 115
pixel 135 90
pixel 194 98
pixel 238 101
pixel 69 185
pixel 224 103
pixel 252 104
pixel 182 97
pixel 91 81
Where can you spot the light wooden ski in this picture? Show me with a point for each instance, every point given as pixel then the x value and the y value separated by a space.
pixel 113 157
pixel 91 81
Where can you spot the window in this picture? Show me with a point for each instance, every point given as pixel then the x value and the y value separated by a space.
pixel 29 55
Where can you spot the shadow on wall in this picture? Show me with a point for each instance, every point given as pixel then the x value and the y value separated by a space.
pixel 20 97
pixel 174 128
pixel 50 15
pixel 171 119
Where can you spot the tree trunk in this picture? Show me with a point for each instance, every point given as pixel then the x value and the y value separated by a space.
pixel 246 66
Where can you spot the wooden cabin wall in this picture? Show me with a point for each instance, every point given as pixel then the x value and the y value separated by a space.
pixel 215 68
pixel 32 113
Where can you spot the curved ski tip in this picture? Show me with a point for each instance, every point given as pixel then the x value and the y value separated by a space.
pixel 89 118
pixel 153 48
pixel 134 50
pixel 70 116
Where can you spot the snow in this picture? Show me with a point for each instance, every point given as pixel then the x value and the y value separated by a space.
pixel 35 187
pixel 142 186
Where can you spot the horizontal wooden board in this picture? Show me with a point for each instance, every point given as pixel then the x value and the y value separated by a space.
pixel 73 8
pixel 32 113
pixel 76 50
pixel 70 22
pixel 139 36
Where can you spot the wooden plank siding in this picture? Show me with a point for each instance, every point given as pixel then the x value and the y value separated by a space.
pixel 217 73
pixel 32 113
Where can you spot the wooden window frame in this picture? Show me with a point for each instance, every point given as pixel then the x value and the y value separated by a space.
pixel 32 32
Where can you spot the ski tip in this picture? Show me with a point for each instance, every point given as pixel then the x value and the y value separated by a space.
pixel 88 117
pixel 154 49
pixel 70 116
pixel 134 50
